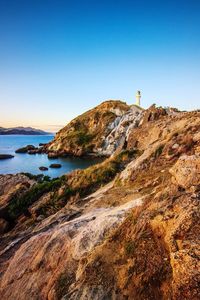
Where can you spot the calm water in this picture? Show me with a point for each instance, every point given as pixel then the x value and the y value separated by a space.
pixel 31 163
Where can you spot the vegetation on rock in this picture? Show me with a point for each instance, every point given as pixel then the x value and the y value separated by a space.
pixel 80 183
pixel 86 133
pixel 20 204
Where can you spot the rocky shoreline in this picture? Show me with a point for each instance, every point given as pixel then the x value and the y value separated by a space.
pixel 126 228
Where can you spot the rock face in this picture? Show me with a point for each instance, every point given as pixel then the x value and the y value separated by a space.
pixel 120 129
pixel 71 240
pixel 11 186
pixel 99 131
pixel 127 228
pixel 8 182
pixel 186 171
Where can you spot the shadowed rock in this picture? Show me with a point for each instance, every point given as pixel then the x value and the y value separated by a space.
pixel 56 166
pixel 43 168
pixel 6 156
pixel 25 149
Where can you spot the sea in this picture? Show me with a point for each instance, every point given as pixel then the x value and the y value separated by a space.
pixel 31 163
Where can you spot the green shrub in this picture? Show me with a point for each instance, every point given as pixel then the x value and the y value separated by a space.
pixel 125 155
pixel 83 138
pixel 55 203
pixel 38 178
pixel 79 137
pixel 19 205
pixel 129 247
pixel 81 184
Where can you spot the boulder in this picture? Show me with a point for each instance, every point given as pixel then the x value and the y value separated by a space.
pixel 56 166
pixel 21 150
pixel 186 171
pixel 25 149
pixel 6 156
pixel 153 113
pixel 34 151
pixel 42 168
pixel 12 186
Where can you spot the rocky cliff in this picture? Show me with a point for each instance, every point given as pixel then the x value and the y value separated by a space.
pixel 127 228
pixel 98 131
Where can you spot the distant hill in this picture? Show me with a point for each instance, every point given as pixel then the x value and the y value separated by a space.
pixel 22 130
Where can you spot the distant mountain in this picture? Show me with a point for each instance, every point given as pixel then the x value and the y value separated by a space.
pixel 22 130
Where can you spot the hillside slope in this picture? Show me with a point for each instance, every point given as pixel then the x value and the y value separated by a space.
pixel 127 228
pixel 92 132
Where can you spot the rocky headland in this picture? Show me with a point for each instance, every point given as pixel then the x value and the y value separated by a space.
pixel 97 132
pixel 126 228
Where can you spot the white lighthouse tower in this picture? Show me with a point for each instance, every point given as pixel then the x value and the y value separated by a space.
pixel 138 97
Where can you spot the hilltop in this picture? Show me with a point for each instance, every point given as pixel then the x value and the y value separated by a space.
pixel 94 132
pixel 127 228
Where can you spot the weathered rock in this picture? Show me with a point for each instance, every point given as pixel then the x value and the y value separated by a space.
pixel 6 156
pixel 56 249
pixel 155 138
pixel 121 127
pixel 135 238
pixel 87 133
pixel 153 113
pixel 10 186
pixel 10 181
pixel 186 171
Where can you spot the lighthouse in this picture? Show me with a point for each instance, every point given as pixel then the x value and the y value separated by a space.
pixel 138 97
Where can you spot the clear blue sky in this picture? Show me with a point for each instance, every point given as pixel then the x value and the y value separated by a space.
pixel 60 58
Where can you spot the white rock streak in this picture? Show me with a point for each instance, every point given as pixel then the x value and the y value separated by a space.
pixel 120 127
